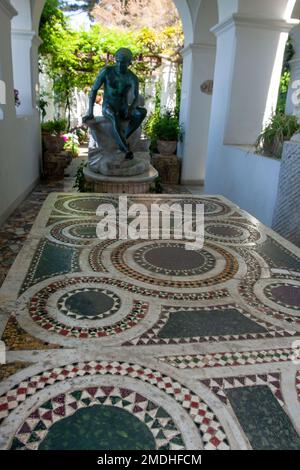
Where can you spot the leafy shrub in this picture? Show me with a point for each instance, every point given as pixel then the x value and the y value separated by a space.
pixel 167 127
pixel 162 127
pixel 57 126
pixel 79 179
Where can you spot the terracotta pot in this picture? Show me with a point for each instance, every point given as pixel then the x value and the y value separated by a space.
pixel 53 143
pixel 166 147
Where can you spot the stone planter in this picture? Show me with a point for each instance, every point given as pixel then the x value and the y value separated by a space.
pixel 55 164
pixel 166 147
pixel 53 143
pixel 168 167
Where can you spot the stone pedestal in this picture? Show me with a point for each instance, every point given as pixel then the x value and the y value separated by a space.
pixel 54 164
pixel 139 184
pixel 108 170
pixel 104 154
pixel 286 219
pixel 168 168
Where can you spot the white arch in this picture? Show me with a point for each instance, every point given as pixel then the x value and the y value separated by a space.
pixel 37 7
pixel 198 16
pixel 276 9
pixel 296 10
pixel 227 8
pixel 186 18
pixel 207 17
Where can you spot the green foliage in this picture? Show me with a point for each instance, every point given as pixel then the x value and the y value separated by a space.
pixel 52 20
pixel 73 58
pixel 81 133
pixel 79 179
pixel 162 127
pixel 178 90
pixel 280 128
pixel 166 127
pixel 288 54
pixel 148 128
pixel 157 187
pixel 285 77
pixel 283 91
pixel 57 126
pixel 42 105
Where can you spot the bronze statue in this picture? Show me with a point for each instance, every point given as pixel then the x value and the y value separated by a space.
pixel 119 83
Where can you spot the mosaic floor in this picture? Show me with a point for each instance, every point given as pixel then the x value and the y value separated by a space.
pixel 145 345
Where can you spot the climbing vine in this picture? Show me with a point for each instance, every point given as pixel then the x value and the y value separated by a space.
pixel 73 58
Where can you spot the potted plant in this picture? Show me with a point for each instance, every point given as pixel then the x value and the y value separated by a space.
pixel 166 132
pixel 71 144
pixel 52 132
pixel 280 128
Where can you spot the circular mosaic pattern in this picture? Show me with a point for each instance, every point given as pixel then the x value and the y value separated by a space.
pixel 174 260
pixel 286 295
pixel 89 303
pixel 224 231
pixel 276 298
pixel 231 233
pixel 82 205
pixel 217 265
pixel 99 418
pixel 208 426
pixel 90 204
pixel 74 232
pixel 86 230
pixel 215 207
pixel 48 319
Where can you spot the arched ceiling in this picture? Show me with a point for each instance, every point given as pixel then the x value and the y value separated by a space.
pixel 37 7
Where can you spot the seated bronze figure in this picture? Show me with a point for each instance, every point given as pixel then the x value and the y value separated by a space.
pixel 119 84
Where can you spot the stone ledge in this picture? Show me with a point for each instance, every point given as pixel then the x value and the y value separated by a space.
pixel 139 184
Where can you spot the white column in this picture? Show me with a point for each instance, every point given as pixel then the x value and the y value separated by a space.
pixel 293 97
pixel 168 85
pixel 36 42
pixel 247 75
pixel 21 48
pixel 7 105
pixel 198 67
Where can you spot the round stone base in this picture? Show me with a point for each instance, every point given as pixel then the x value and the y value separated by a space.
pixel 140 184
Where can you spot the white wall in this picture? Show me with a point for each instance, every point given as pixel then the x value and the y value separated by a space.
pixel 19 157
pixel 247 72
pixel 198 66
pixel 249 180
pixel 20 145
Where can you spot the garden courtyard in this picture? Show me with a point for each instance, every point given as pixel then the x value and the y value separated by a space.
pixel 143 344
